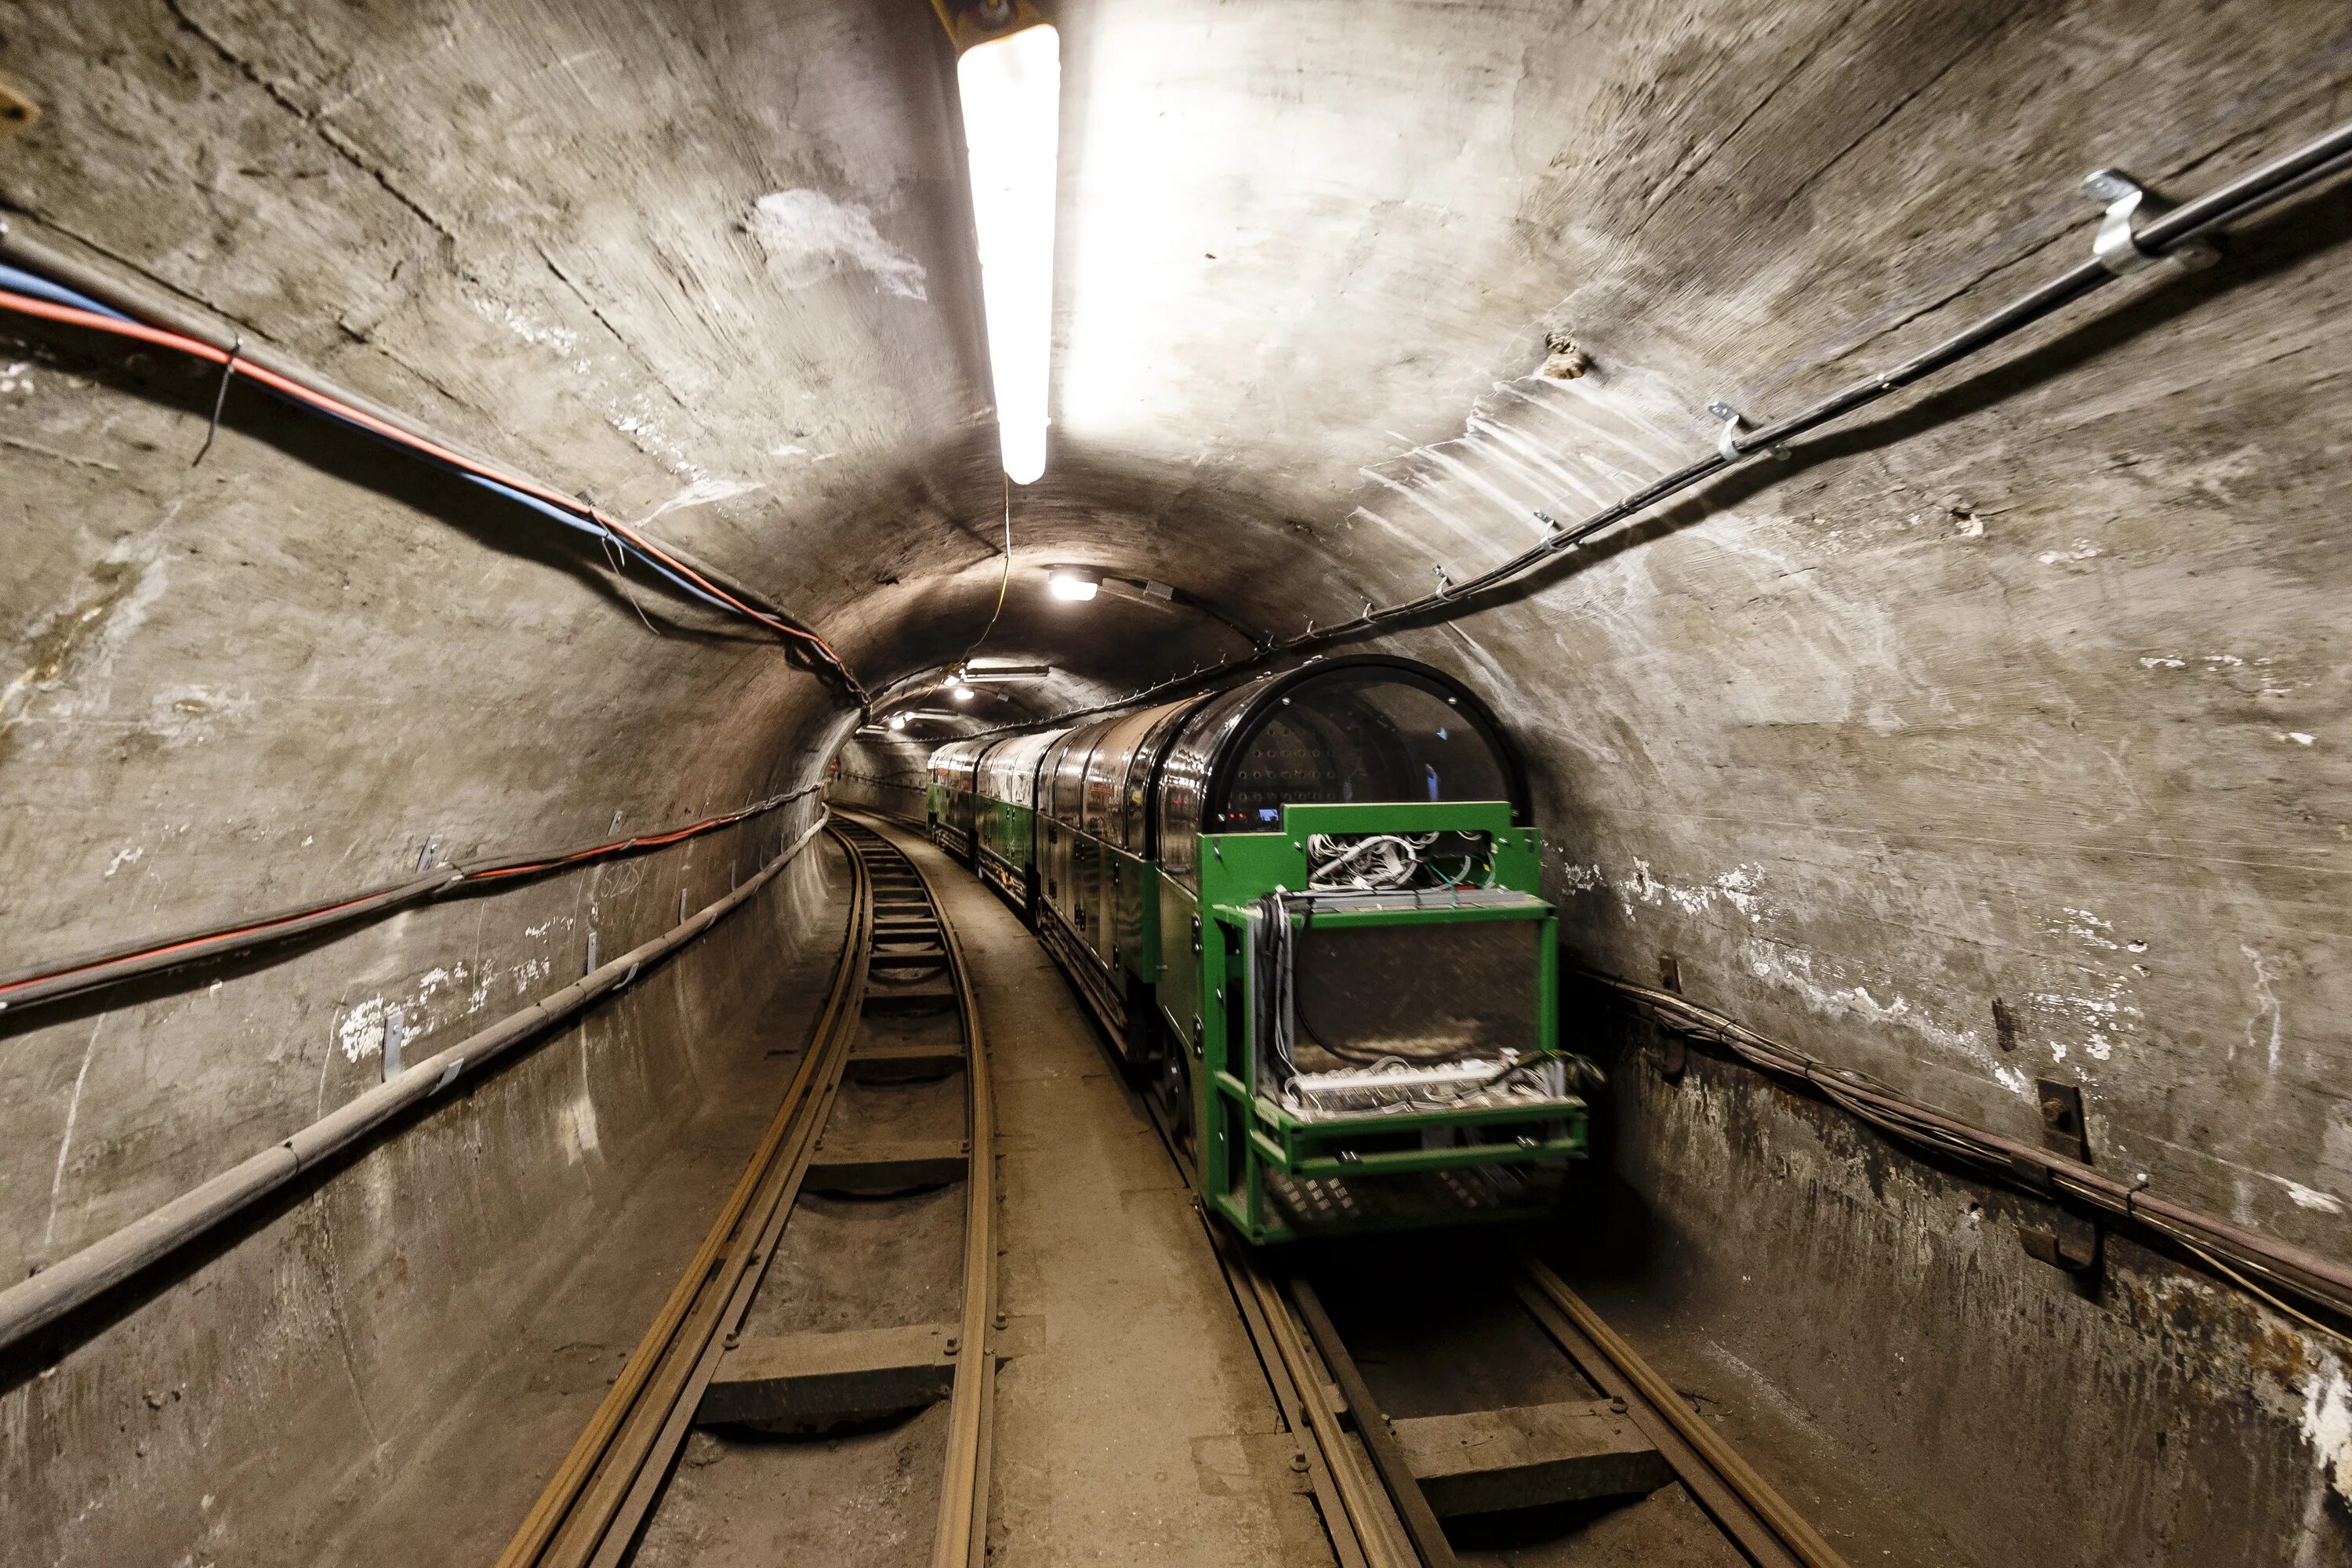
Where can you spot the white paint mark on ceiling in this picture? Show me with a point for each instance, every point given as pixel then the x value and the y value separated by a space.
pixel 561 339
pixel 577 1127
pixel 702 492
pixel 1794 970
pixel 2103 1019
pixel 2327 1427
pixel 810 238
pixel 361 1034
pixel 1737 886
pixel 2311 1197
pixel 2268 1002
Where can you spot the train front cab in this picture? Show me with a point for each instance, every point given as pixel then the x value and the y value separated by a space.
pixel 1359 1057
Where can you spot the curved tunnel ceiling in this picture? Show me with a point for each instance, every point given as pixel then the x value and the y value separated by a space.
pixel 1853 732
pixel 1994 738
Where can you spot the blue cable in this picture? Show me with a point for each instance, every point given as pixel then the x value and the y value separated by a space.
pixel 20 281
pixel 597 528
pixel 567 519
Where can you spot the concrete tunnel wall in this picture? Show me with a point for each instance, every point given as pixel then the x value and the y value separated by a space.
pixel 1996 736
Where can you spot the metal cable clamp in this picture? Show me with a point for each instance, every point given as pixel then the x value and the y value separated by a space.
pixel 1726 440
pixel 2128 202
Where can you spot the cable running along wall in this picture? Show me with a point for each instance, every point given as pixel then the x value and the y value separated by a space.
pixel 2185 227
pixel 41 282
pixel 2230 1250
pixel 112 966
pixel 33 1304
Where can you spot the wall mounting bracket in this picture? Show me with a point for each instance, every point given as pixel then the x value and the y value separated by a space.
pixel 2068 1241
pixel 1726 440
pixel 2128 202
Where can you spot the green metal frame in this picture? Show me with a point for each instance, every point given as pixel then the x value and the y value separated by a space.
pixel 1243 1136
pixel 1143 931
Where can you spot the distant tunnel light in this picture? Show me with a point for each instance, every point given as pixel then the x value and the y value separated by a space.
pixel 1076 584
pixel 1012 91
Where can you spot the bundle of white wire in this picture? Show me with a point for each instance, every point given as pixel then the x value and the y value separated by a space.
pixel 1396 1086
pixel 1379 862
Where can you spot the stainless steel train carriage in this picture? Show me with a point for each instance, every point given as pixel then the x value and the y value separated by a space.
pixel 1305 908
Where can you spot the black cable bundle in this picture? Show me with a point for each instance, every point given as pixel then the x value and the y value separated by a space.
pixel 1272 948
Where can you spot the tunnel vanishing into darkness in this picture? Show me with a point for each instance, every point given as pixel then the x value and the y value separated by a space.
pixel 481 477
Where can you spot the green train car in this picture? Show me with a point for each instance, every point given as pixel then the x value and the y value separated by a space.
pixel 1305 908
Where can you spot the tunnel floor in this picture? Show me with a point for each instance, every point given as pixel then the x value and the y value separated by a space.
pixel 1140 1429
pixel 1134 1420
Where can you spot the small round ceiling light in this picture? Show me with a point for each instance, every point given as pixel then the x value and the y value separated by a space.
pixel 962 692
pixel 1076 583
pixel 897 721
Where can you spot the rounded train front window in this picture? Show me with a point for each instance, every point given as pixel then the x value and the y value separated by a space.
pixel 1359 735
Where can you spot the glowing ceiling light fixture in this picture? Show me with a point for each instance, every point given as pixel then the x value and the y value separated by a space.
pixel 1011 92
pixel 1076 583
pixel 961 693
pixel 897 721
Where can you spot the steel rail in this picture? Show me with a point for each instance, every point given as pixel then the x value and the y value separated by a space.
pixel 1429 1543
pixel 1379 1535
pixel 33 1304
pixel 595 1508
pixel 591 1508
pixel 961 1540
pixel 1254 1297
pixel 1757 1518
pixel 1363 1526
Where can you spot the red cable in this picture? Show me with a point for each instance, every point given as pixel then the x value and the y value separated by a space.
pixel 181 945
pixel 26 304
pixel 232 934
pixel 651 841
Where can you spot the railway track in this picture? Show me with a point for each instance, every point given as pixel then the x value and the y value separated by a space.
pixel 899 1015
pixel 1380 1481
pixel 900 1010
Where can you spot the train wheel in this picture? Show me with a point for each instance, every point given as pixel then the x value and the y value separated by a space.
pixel 1173 1085
pixel 1142 1038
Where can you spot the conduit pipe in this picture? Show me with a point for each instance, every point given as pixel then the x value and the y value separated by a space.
pixel 152 306
pixel 27 1308
pixel 153 955
pixel 2319 1281
pixel 2321 159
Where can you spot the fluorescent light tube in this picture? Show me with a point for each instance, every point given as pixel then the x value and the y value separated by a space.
pixel 1011 92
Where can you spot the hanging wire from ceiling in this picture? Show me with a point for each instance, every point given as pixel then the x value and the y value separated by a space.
pixel 1003 586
